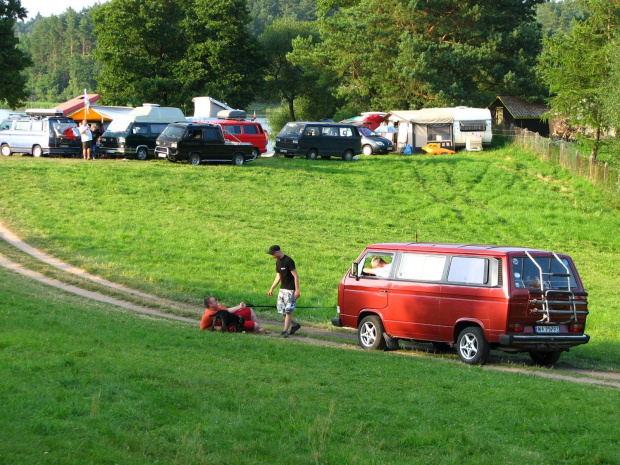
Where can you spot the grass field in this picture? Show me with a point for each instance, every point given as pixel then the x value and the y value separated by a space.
pixel 85 384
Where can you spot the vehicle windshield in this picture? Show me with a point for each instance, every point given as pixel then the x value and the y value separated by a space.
pixel 293 128
pixel 525 273
pixel 365 131
pixel 173 132
pixel 119 125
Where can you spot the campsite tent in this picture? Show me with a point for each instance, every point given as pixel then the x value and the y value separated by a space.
pixel 449 127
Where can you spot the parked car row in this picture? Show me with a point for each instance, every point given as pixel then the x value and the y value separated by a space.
pixel 143 134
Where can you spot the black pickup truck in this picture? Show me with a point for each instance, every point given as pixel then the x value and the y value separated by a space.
pixel 200 142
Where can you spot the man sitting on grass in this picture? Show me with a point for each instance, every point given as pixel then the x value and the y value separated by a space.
pixel 213 306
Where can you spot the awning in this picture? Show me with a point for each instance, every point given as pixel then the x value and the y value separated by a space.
pixel 102 114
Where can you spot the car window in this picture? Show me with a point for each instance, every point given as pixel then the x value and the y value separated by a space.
pixel 157 128
pixel 376 265
pixel 22 125
pixel 141 129
pixel 525 273
pixel 346 132
pixel 250 129
pixel 421 267
pixel 329 131
pixel 194 134
pixel 232 129
pixel 210 134
pixel 311 131
pixel 468 270
pixel 174 132
pixel 37 126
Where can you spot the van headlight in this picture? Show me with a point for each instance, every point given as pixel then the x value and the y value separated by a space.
pixel 173 145
pixel 121 141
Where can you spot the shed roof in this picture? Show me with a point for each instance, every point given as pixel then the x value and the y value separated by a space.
pixel 520 108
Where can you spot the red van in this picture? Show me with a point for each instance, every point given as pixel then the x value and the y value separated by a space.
pixel 249 132
pixel 471 297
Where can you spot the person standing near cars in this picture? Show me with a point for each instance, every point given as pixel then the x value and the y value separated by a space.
pixel 87 139
pixel 287 277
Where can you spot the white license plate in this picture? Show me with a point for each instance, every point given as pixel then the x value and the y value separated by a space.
pixel 547 329
pixel 283 150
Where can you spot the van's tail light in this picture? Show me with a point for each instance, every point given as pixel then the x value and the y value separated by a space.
pixel 575 328
pixel 515 327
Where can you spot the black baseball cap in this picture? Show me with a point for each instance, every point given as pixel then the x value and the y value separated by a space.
pixel 273 249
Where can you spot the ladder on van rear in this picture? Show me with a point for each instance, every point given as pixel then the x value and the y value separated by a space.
pixel 560 302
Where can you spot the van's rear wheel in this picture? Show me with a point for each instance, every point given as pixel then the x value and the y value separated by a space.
pixel 370 333
pixel 472 346
pixel 194 159
pixel 545 359
pixel 312 155
pixel 37 151
pixel 5 150
pixel 238 159
pixel 348 155
pixel 142 153
pixel 255 152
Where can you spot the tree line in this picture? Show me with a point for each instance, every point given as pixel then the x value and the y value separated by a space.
pixel 323 58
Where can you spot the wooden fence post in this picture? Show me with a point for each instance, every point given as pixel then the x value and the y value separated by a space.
pixel 606 173
pixel 592 170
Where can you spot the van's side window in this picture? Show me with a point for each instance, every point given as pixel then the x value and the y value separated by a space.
pixel 311 131
pixel 142 129
pixel 468 270
pixel 233 129
pixel 346 132
pixel 250 129
pixel 22 125
pixel 37 126
pixel 421 267
pixel 157 128
pixel 329 131
pixel 210 134
pixel 376 264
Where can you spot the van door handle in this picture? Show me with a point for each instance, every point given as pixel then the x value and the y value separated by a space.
pixel 383 290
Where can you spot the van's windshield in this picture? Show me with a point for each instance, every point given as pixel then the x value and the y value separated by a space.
pixel 119 125
pixel 525 273
pixel 293 128
pixel 173 132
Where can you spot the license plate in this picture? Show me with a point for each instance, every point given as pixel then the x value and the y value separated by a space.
pixel 547 329
pixel 283 150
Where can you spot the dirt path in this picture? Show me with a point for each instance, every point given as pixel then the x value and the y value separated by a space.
pixel 563 374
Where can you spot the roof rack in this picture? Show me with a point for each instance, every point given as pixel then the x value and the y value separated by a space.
pixel 44 112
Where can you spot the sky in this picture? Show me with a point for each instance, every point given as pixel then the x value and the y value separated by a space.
pixel 55 7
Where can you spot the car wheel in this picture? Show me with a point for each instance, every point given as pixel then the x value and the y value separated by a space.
pixel 367 150
pixel 37 151
pixel 5 150
pixel 238 159
pixel 255 152
pixel 142 153
pixel 312 154
pixel 347 155
pixel 472 346
pixel 370 333
pixel 194 159
pixel 545 359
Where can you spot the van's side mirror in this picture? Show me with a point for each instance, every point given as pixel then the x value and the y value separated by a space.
pixel 354 270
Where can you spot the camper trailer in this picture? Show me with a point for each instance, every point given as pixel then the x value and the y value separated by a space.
pixel 134 135
pixel 451 128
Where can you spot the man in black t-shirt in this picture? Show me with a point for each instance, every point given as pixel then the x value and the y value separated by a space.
pixel 286 276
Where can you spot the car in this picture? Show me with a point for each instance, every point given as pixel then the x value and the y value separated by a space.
pixel 472 298
pixel 373 143
pixel 197 143
pixel 319 139
pixel 433 148
pixel 42 132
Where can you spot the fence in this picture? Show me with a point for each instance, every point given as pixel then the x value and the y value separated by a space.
pixel 566 154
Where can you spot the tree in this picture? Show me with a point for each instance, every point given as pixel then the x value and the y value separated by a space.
pixel 13 60
pixel 168 51
pixel 285 81
pixel 392 54
pixel 576 66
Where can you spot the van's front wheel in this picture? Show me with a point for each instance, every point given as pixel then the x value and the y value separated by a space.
pixel 312 154
pixel 5 150
pixel 472 346
pixel 142 153
pixel 370 333
pixel 194 159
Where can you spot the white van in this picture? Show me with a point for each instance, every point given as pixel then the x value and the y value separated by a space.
pixel 134 135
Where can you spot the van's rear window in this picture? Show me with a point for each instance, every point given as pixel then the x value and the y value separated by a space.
pixel 526 274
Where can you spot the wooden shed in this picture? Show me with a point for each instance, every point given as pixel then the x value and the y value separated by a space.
pixel 508 111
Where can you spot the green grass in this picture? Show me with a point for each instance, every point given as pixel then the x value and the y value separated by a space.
pixel 184 232
pixel 83 383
